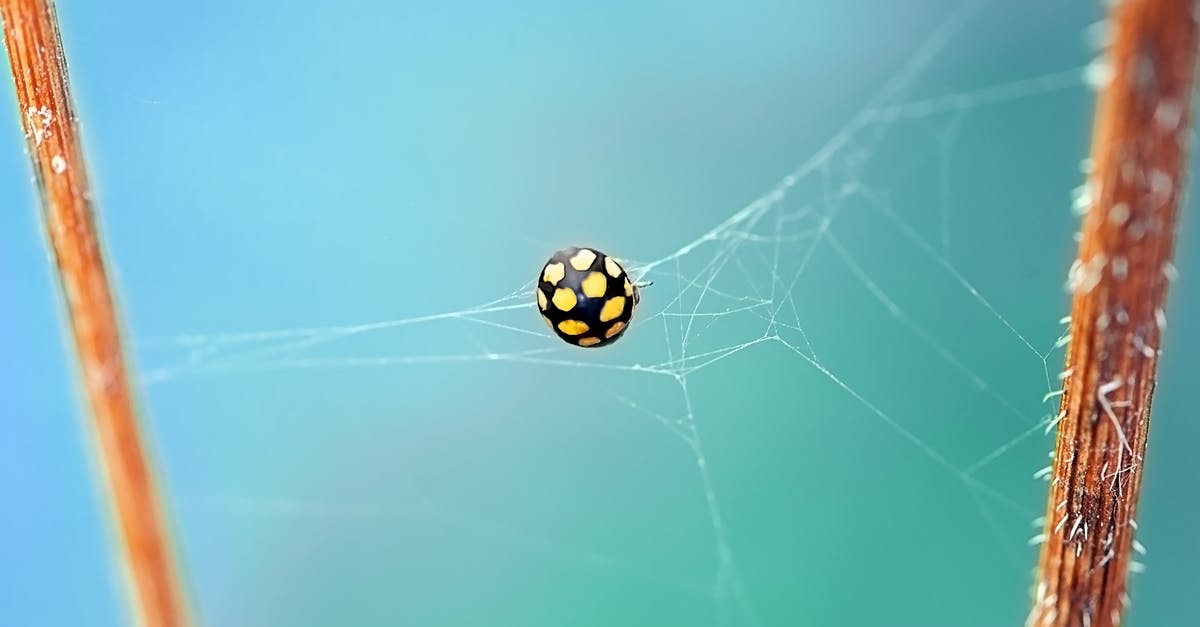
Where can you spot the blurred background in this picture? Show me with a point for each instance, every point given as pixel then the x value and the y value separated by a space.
pixel 324 219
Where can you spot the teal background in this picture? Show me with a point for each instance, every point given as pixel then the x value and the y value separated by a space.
pixel 282 166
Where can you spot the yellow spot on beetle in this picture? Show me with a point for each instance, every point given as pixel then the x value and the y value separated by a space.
pixel 583 259
pixel 613 268
pixel 594 285
pixel 541 296
pixel 628 287
pixel 554 272
pixel 614 329
pixel 613 308
pixel 589 341
pixel 565 299
pixel 573 327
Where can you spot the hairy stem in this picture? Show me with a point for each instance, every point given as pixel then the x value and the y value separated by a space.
pixel 39 71
pixel 1119 283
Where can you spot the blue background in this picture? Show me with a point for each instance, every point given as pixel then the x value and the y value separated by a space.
pixel 285 166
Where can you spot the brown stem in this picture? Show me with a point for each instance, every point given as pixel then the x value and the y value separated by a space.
pixel 39 70
pixel 1119 281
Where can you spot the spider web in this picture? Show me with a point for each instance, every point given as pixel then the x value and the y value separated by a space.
pixel 760 287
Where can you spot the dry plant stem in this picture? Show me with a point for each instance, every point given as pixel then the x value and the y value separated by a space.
pixel 39 70
pixel 1119 283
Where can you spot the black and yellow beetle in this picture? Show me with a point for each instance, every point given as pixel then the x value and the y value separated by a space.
pixel 586 296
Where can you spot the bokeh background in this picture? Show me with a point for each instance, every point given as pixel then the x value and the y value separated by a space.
pixel 279 166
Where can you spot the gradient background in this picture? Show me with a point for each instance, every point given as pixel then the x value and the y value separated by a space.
pixel 279 165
